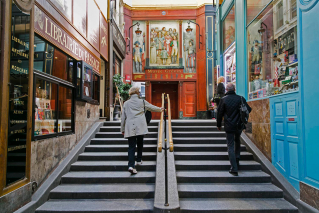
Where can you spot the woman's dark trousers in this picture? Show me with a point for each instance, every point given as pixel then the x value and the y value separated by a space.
pixel 132 141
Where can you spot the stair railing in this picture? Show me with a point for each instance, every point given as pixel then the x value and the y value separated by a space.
pixel 170 134
pixel 160 137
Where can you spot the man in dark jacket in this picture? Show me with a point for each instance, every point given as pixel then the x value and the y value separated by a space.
pixel 229 109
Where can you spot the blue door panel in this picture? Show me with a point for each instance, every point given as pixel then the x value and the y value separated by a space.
pixel 285 136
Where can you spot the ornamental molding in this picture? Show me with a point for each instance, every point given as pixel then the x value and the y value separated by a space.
pixel 24 5
pixel 306 5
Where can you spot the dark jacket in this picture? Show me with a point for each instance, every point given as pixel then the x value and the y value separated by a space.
pixel 229 109
pixel 220 92
pixel 221 89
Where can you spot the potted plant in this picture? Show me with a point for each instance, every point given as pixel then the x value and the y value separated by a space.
pixel 121 90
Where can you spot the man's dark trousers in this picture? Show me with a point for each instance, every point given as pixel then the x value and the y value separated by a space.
pixel 132 141
pixel 233 145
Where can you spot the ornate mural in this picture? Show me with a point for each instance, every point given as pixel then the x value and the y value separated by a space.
pixel 139 46
pixel 189 47
pixel 164 43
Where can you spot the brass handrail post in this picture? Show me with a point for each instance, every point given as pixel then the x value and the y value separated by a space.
pixel 160 138
pixel 170 134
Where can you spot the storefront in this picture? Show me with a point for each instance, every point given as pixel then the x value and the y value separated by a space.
pixel 57 72
pixel 270 73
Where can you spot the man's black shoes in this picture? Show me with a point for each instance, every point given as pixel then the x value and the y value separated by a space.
pixel 233 173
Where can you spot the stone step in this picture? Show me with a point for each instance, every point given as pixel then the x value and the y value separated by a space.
pixel 113 156
pixel 194 128
pixel 236 205
pixel 118 129
pixel 118 141
pixel 117 123
pixel 203 147
pixel 103 191
pixel 209 156
pixel 214 165
pixel 110 166
pixel 194 140
pixel 100 205
pixel 198 134
pixel 117 148
pixel 119 135
pixel 193 123
pixel 222 177
pixel 233 190
pixel 107 177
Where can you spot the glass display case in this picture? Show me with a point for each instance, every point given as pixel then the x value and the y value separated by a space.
pixel 230 65
pixel 86 80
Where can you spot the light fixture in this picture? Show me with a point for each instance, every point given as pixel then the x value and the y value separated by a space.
pixel 138 32
pixel 262 30
pixel 189 30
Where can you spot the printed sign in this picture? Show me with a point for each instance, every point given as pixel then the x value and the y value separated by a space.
pixel 47 28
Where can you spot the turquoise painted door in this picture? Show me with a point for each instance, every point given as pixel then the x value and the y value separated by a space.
pixel 285 136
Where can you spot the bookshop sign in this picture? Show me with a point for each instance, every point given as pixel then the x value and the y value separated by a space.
pixel 47 28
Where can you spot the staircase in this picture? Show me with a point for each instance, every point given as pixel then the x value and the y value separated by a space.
pixel 204 183
pixel 99 180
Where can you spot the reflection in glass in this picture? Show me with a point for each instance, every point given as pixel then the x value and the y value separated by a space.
pixel 229 29
pixel 79 15
pixel 65 109
pixel 52 61
pixel 18 96
pixel 93 23
pixel 254 7
pixel 65 6
pixel 87 89
pixel 272 59
pixel 96 89
pixel 45 108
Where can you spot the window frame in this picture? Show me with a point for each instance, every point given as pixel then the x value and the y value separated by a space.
pixel 59 82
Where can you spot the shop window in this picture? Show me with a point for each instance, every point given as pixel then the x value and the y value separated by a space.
pixel 53 108
pixel 272 60
pixel 45 107
pixel 88 83
pixel 65 107
pixel 52 61
pixel 293 9
pixel 279 15
pixel 229 29
pixel 254 7
pixel 96 88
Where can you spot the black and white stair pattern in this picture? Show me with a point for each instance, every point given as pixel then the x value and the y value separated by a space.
pixel 99 180
pixel 204 183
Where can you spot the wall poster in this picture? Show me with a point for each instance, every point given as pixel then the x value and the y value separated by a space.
pixel 189 47
pixel 139 47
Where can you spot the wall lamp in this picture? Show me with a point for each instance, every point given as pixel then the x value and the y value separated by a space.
pixel 138 32
pixel 189 30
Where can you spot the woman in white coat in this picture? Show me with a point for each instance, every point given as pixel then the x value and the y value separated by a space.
pixel 134 126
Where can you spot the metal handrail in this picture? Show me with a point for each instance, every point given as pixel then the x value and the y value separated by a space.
pixel 160 138
pixel 170 134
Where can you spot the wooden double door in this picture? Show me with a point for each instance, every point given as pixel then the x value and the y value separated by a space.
pixel 170 88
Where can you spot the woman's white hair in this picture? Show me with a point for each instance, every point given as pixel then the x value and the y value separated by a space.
pixel 134 90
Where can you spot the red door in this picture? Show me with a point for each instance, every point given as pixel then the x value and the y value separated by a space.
pixel 168 88
pixel 189 96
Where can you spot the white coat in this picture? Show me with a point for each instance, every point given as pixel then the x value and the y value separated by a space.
pixel 133 120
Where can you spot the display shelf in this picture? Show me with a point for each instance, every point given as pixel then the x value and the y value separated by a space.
pixel 293 64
